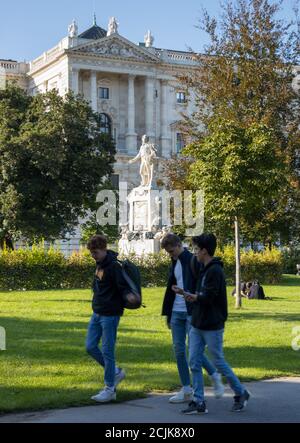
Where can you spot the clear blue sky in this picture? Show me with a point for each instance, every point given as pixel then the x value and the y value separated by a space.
pixel 29 27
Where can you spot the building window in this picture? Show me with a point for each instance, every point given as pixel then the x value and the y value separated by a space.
pixel 181 97
pixel 115 179
pixel 179 142
pixel 104 93
pixel 105 124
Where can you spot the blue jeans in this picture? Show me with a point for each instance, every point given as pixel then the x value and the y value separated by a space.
pixel 105 328
pixel 214 341
pixel 180 326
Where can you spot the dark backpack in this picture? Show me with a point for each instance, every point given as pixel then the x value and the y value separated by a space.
pixel 132 277
pixel 261 293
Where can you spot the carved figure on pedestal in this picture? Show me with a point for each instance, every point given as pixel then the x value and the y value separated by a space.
pixel 112 26
pixel 147 154
pixel 73 29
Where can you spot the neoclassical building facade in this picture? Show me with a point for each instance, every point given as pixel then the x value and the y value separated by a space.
pixel 133 86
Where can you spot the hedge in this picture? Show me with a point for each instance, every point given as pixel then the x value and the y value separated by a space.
pixel 291 258
pixel 38 269
pixel 265 266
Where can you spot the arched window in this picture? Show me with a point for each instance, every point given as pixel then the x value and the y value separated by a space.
pixel 180 144
pixel 105 124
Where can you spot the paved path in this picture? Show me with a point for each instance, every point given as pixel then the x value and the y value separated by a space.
pixel 273 401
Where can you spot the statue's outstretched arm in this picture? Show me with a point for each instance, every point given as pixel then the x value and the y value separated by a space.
pixel 135 159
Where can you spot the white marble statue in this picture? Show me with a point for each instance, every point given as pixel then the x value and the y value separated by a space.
pixel 73 29
pixel 112 26
pixel 149 40
pixel 147 154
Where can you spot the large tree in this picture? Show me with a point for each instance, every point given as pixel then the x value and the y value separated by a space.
pixel 52 162
pixel 246 123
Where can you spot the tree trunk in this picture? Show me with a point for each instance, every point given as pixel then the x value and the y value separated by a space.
pixel 238 300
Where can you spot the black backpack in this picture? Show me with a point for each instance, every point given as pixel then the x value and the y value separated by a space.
pixel 261 293
pixel 132 277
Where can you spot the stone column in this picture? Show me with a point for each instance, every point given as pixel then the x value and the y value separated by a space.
pixel 131 136
pixel 149 108
pixel 94 97
pixel 164 133
pixel 75 80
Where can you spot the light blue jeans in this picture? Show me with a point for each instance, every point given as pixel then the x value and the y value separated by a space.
pixel 199 339
pixel 105 328
pixel 180 327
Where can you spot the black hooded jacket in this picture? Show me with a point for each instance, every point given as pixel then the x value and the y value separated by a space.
pixel 189 279
pixel 210 310
pixel 109 287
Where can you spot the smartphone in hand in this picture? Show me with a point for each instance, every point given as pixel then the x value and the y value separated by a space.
pixel 177 290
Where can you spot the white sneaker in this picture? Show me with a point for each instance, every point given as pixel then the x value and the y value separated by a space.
pixel 218 386
pixel 105 396
pixel 182 397
pixel 119 377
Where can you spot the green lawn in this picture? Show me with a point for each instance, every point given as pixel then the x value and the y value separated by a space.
pixel 45 364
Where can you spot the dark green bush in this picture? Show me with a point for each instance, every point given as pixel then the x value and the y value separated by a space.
pixel 291 258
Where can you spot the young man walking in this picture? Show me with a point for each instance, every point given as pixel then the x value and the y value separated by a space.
pixel 109 288
pixel 183 274
pixel 208 322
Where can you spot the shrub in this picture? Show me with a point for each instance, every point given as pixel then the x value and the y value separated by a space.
pixel 265 266
pixel 38 268
pixel 291 258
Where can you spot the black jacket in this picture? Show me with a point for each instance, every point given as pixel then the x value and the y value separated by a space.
pixel 109 287
pixel 210 310
pixel 190 270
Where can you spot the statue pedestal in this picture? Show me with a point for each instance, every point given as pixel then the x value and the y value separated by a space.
pixel 143 232
pixel 139 247
pixel 144 209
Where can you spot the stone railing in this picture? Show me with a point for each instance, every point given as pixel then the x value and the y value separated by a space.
pixel 183 58
pixel 46 57
pixel 9 65
pixel 14 67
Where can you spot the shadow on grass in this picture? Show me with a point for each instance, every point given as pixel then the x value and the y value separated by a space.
pixel 57 341
pixel 35 345
pixel 283 317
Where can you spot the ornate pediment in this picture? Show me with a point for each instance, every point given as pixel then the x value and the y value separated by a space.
pixel 115 46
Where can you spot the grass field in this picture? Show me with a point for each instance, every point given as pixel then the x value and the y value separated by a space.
pixel 45 364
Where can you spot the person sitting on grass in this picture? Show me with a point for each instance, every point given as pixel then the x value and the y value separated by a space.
pixel 109 290
pixel 245 289
pixel 256 291
pixel 178 312
pixel 209 315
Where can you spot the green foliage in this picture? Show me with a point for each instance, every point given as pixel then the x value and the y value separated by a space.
pixel 265 266
pixel 52 161
pixel 36 268
pixel 240 169
pixel 291 258
pixel 245 127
